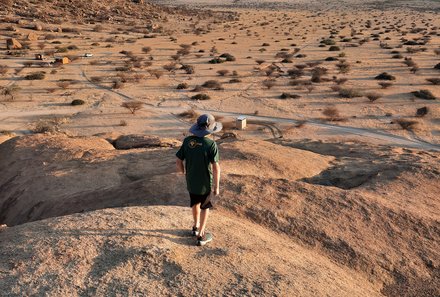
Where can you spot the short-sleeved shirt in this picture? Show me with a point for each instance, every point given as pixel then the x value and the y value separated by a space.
pixel 198 153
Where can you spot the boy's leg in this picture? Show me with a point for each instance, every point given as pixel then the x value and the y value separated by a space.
pixel 203 219
pixel 196 214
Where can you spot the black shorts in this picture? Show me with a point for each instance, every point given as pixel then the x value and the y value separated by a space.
pixel 202 199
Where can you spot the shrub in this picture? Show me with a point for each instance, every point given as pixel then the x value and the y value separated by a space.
pixel 187 68
pixel 343 67
pixel 200 97
pixel 9 91
pixel 216 61
pixel 146 49
pixel 190 114
pixel 334 48
pixel 350 93
pixel 385 76
pixel 117 84
pixel 373 96
pixel 96 79
pixel 228 57
pixel 437 66
pixel 64 84
pixel 155 73
pixel 269 83
pixel 384 84
pixel 424 94
pixel 406 124
pixel 133 106
pixel 289 96
pixel 330 59
pixel 434 80
pixel 49 125
pixel 222 72
pixel 421 112
pixel 212 84
pixel 182 86
pixel 169 67
pixel 295 73
pixel 341 81
pixel 36 76
pixel 77 102
pixel 331 113
pixel 235 80
pixel 3 70
pixel 259 62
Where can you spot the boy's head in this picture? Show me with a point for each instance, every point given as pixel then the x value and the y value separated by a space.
pixel 205 125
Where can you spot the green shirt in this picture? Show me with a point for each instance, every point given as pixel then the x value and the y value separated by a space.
pixel 198 153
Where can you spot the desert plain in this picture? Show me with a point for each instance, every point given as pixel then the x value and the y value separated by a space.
pixel 332 188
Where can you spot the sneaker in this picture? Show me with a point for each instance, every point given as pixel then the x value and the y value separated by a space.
pixel 195 231
pixel 202 240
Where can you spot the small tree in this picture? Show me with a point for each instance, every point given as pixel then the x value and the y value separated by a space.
pixel 133 106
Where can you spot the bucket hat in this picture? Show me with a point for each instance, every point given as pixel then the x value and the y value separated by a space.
pixel 205 125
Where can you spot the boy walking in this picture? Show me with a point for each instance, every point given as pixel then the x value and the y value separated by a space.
pixel 202 171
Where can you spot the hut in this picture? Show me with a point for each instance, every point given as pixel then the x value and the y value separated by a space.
pixel 241 123
pixel 62 60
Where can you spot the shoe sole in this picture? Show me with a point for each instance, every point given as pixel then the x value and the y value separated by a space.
pixel 202 243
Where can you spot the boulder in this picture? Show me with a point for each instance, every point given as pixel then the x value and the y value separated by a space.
pixel 132 141
pixel 12 43
pixel 32 37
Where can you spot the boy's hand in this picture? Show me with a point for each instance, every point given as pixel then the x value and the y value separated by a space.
pixel 216 191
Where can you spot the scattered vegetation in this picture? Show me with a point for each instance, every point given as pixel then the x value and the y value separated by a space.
pixel 349 93
pixel 434 80
pixel 421 112
pixel 331 113
pixel 406 124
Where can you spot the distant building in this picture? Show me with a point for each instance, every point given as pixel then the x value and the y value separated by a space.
pixel 62 60
pixel 241 123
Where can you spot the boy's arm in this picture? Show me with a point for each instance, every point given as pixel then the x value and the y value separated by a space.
pixel 179 166
pixel 216 177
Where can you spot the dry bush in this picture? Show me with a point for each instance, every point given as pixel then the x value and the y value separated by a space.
pixel 331 113
pixel 212 84
pixel 222 72
pixel 117 84
pixel 146 49
pixel 434 80
pixel 64 84
pixel 318 73
pixel 156 73
pixel 350 93
pixel 406 124
pixel 36 76
pixel 9 92
pixel 201 97
pixel 424 94
pixel 259 61
pixel 133 106
pixel 269 83
pixel 77 102
pixel 189 69
pixel 182 86
pixel 295 73
pixel 341 81
pixel 49 125
pixel 28 64
pixel 170 67
pixel 334 48
pixel 384 85
pixel 343 66
pixel 3 70
pixel 289 96
pixel 421 112
pixel 189 114
pixel 96 79
pixel 373 96
pixel 385 76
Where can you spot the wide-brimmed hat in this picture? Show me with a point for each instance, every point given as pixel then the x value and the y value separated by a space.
pixel 205 125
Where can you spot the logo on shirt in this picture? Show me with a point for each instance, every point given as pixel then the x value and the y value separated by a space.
pixel 193 144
